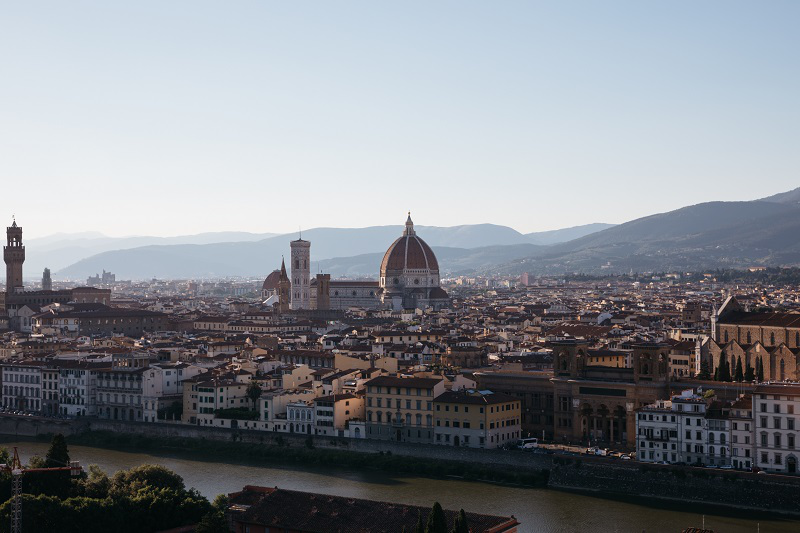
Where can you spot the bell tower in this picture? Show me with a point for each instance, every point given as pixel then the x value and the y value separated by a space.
pixel 14 256
pixel 301 274
pixel 284 290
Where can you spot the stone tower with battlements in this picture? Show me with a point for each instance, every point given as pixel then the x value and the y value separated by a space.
pixel 14 256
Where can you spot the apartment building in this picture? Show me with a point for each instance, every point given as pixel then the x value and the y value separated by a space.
pixel 401 409
pixel 333 414
pixel 120 388
pixel 476 419
pixel 742 433
pixel 22 385
pixel 776 413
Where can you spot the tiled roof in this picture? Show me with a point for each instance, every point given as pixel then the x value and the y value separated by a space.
pixel 308 512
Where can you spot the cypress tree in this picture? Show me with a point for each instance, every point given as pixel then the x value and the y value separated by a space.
pixel 437 523
pixel 724 370
pixel 705 373
pixel 460 525
pixel 760 369
pixel 739 375
pixel 749 374
pixel 420 526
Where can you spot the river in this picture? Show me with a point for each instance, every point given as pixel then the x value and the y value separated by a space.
pixel 538 510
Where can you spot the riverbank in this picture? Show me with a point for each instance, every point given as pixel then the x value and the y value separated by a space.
pixel 539 510
pixel 601 477
pixel 284 451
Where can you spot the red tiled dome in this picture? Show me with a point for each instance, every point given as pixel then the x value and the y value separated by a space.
pixel 409 252
pixel 271 283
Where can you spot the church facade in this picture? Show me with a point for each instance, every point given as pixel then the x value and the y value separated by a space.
pixel 409 279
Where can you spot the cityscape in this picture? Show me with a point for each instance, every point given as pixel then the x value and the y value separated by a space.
pixel 375 268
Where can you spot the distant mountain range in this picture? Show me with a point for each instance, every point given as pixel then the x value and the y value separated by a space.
pixel 709 235
pixel 703 236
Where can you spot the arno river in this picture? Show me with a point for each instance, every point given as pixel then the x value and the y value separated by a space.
pixel 537 509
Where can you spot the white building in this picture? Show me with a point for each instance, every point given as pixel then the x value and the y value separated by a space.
pixel 657 433
pixel 163 385
pixel 742 439
pixel 776 408
pixel 22 385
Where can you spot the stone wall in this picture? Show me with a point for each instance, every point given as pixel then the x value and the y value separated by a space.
pixel 22 426
pixel 615 478
pixel 612 478
pixel 527 461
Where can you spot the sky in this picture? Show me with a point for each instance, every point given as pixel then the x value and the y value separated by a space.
pixel 181 117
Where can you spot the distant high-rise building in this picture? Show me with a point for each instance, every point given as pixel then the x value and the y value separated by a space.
pixel 14 256
pixel 106 279
pixel 301 274
pixel 47 282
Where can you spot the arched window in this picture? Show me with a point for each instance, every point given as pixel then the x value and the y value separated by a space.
pixel 748 337
pixel 772 339
pixel 783 370
pixel 726 336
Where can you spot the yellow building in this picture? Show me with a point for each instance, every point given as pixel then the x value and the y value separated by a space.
pixel 401 409
pixel 476 419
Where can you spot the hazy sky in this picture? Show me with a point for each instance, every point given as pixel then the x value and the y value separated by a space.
pixel 169 117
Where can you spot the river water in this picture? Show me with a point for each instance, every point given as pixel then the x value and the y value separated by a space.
pixel 538 510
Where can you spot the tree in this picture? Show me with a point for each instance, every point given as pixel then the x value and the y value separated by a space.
pixel 253 392
pixel 57 483
pixel 437 523
pixel 420 525
pixel 760 369
pixel 724 369
pixel 58 454
pixel 705 373
pixel 460 525
pixel 738 375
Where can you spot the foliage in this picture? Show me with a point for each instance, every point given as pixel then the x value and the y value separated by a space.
pixel 760 369
pixel 749 374
pixel 710 393
pixel 420 524
pixel 436 520
pixel 739 374
pixel 724 370
pixel 146 498
pixel 460 525
pixel 705 373
pixel 173 412
pixel 253 392
pixel 55 483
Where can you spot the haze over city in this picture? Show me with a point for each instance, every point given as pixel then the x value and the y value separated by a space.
pixel 179 118
pixel 441 267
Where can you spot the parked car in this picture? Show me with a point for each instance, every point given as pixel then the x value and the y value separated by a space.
pixel 528 444
pixel 625 457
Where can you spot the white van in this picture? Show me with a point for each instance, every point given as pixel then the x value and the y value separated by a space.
pixel 528 444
